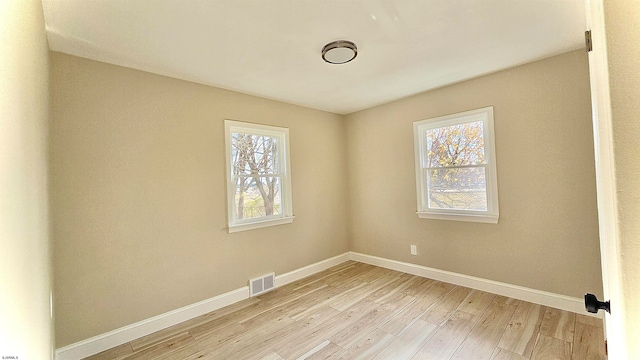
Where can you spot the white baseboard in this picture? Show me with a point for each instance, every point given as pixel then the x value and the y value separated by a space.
pixel 145 327
pixel 148 326
pixel 308 270
pixel 545 298
pixel 142 328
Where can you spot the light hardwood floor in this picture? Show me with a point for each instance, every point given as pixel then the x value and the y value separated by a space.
pixel 359 311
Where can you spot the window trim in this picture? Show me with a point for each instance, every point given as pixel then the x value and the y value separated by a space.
pixel 419 128
pixel 284 172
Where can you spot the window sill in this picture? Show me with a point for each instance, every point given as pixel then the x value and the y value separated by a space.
pixel 260 224
pixel 484 218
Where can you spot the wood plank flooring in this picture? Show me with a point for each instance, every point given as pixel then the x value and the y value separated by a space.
pixel 359 311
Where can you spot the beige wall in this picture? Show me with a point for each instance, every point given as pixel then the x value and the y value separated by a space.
pixel 139 199
pixel 547 235
pixel 622 22
pixel 25 263
pixel 138 189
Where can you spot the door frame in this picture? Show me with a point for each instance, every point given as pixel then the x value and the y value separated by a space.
pixel 606 181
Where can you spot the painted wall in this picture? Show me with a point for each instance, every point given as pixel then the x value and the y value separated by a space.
pixel 547 235
pixel 26 326
pixel 622 22
pixel 138 189
pixel 139 199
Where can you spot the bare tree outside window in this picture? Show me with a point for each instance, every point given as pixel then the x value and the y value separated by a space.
pixel 256 175
pixel 455 168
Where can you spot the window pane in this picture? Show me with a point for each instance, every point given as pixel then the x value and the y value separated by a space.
pixel 459 189
pixel 254 154
pixel 455 145
pixel 257 197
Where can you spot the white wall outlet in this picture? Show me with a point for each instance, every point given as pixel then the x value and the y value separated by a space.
pixel 414 250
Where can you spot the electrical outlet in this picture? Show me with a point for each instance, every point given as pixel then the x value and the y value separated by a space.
pixel 414 250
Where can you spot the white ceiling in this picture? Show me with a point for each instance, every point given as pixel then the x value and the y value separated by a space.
pixel 271 48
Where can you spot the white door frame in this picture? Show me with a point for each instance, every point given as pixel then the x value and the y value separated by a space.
pixel 606 181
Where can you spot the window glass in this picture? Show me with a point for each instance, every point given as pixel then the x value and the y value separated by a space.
pixel 259 182
pixel 455 167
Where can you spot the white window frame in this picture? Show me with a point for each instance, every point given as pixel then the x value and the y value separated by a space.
pixel 282 134
pixel 419 133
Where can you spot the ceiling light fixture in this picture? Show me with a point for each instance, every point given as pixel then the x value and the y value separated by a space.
pixel 339 52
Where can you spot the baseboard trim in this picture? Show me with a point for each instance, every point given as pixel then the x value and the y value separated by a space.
pixel 145 327
pixel 545 298
pixel 303 272
pixel 142 328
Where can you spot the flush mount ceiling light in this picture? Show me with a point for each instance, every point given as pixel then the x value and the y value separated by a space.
pixel 339 52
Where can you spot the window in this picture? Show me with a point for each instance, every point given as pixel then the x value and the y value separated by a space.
pixel 456 167
pixel 258 176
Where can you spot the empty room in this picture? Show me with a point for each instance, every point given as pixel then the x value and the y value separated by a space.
pixel 319 179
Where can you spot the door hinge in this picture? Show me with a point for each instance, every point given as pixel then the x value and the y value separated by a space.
pixel 587 40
